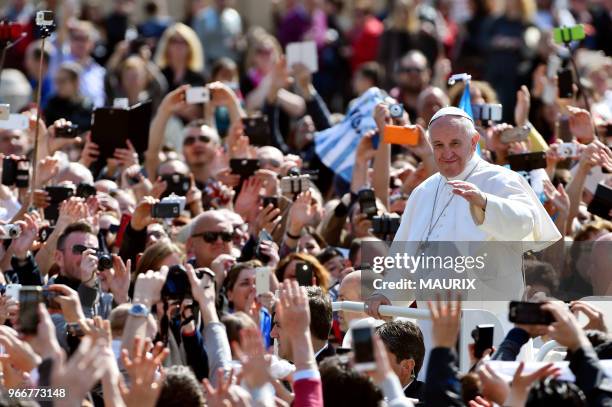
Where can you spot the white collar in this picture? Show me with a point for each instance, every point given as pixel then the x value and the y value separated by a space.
pixel 321 350
pixel 469 167
pixel 408 385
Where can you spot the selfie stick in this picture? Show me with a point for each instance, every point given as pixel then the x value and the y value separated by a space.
pixel 45 31
pixel 580 88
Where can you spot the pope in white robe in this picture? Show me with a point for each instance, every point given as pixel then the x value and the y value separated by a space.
pixel 471 200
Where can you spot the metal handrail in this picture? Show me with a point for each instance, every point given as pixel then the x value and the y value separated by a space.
pixel 384 310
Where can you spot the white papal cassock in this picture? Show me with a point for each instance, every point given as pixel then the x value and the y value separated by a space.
pixel 513 214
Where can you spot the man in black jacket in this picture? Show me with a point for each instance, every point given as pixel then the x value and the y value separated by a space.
pixel 404 340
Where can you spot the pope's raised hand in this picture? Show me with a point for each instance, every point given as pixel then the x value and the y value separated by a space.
pixel 469 192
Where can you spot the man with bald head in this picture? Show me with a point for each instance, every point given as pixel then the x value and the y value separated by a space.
pixel 470 200
pixel 211 234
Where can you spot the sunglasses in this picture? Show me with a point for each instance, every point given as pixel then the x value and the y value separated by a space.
pixel 111 229
pixel 79 248
pixel 189 140
pixel 211 237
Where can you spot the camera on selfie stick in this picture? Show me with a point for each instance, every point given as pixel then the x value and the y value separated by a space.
pixel 45 24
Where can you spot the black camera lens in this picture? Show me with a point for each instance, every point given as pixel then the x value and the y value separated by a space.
pixel 105 261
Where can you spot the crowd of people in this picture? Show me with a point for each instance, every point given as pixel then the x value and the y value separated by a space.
pixel 111 299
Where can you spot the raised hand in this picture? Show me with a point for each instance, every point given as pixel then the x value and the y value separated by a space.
pixel 581 125
pixel 69 302
pixel 566 330
pixel 302 211
pixel 382 117
pixel 48 168
pixel 557 196
pixel 365 149
pixel 141 218
pixel 145 386
pixel 203 292
pixel 126 157
pixel 29 232
pixel 55 143
pixel 594 314
pixel 119 276
pixel 255 362
pixel 248 199
pixel 523 103
pixel 147 289
pixel 469 192
pixel 446 319
pixel 267 218
pixel 90 153
pixel 521 383
pixel 174 100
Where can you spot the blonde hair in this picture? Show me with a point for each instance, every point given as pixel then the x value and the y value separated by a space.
pixel 260 38
pixel 154 255
pixel 397 21
pixel 196 50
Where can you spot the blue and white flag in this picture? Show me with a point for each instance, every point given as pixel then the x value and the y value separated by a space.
pixel 465 104
pixel 336 146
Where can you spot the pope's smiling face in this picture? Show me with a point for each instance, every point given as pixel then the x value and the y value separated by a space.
pixel 453 144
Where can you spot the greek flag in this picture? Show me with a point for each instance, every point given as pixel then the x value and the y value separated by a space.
pixel 465 104
pixel 336 146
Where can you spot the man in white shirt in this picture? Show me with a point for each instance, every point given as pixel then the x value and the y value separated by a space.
pixel 470 200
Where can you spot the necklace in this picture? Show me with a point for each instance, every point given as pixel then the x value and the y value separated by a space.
pixel 425 244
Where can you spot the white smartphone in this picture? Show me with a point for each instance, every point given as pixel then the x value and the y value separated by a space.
pixel 12 291
pixel 363 346
pixel 5 111
pixel 303 52
pixel 568 150
pixel 15 121
pixel 262 280
pixel 197 94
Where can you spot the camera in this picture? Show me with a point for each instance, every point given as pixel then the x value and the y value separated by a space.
pixel 294 184
pixel 85 190
pixel 9 231
pixel 176 183
pixel 487 111
pixel 44 18
pixel 568 150
pixel 105 261
pixel 15 172
pixel 244 167
pixel 68 131
pixel 563 35
pixel 386 224
pixel 197 94
pixel 169 207
pixel 177 285
pixel 396 110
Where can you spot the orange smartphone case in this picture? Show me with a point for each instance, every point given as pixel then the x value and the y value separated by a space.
pixel 401 135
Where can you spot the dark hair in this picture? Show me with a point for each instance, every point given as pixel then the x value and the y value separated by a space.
pixel 542 273
pixel 552 392
pixel 220 64
pixel 234 272
pixel 343 386
pixel 371 71
pixel 327 254
pixel 236 322
pixel 354 249
pixel 320 313
pixel 76 227
pixel 404 340
pixel 180 388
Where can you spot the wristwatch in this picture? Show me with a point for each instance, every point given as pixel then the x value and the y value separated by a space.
pixel 138 310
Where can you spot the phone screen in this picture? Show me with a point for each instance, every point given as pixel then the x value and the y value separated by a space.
pixel 303 273
pixel 29 298
pixel 363 346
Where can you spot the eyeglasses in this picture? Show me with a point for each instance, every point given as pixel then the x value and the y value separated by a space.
pixel 79 248
pixel 211 237
pixel 189 140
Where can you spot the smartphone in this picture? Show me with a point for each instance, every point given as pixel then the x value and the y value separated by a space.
pixel 601 204
pixel 197 94
pixel 483 338
pixel 244 167
pixel 29 298
pixel 12 291
pixel 70 131
pixel 513 134
pixel 257 130
pixel 15 172
pixel 385 224
pixel 177 184
pixel 264 235
pixel 50 299
pixel 5 111
pixel 363 346
pixel 565 82
pixel 529 313
pixel 85 190
pixel 262 280
pixel 527 161
pixel 303 273
pixel 487 112
pixel 166 210
pixel 267 200
pixel 367 202
pixel 401 135
pixel 57 195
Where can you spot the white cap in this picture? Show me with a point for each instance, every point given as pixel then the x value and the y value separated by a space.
pixel 450 111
